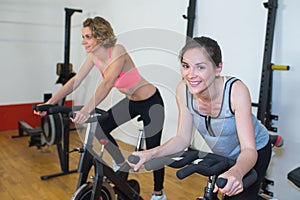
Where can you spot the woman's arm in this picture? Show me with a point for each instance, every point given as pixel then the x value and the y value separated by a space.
pixel 74 82
pixel 71 84
pixel 177 143
pixel 243 113
pixel 111 73
pixel 184 127
pixel 241 105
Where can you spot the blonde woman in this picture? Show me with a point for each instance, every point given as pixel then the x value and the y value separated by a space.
pixel 117 70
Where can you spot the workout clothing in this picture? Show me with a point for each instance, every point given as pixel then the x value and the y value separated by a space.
pixel 221 135
pixel 220 132
pixel 152 113
pixel 125 80
pixel 262 163
pixel 128 80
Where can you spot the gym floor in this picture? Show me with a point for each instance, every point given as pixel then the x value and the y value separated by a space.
pixel 22 166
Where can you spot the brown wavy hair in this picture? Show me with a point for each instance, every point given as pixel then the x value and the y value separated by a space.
pixel 101 31
pixel 211 46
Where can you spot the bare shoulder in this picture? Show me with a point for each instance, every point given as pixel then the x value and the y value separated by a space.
pixel 239 86
pixel 240 95
pixel 118 50
pixel 89 60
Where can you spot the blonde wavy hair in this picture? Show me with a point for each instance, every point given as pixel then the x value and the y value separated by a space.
pixel 101 31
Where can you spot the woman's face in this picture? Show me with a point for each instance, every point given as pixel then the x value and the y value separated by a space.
pixel 88 41
pixel 198 70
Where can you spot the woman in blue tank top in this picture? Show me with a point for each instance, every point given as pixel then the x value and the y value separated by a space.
pixel 219 107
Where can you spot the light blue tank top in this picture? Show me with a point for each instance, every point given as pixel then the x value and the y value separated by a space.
pixel 220 132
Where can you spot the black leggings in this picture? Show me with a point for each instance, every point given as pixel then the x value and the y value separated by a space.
pixel 263 160
pixel 152 113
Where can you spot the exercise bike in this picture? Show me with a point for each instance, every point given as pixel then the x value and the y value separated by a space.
pixel 194 161
pixel 55 130
pixel 106 183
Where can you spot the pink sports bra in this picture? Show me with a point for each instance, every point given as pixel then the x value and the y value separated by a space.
pixel 125 80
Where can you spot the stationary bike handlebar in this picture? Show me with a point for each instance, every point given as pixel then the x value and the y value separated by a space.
pixel 96 115
pixel 53 109
pixel 194 161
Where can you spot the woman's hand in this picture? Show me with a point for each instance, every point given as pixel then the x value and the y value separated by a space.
pixel 40 113
pixel 144 156
pixel 80 117
pixel 234 184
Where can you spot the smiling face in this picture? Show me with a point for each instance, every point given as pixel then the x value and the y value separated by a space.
pixel 198 70
pixel 88 41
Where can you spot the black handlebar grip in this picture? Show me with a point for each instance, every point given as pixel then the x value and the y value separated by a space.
pixel 221 182
pixel 44 107
pixel 248 180
pixel 96 115
pixel 91 119
pixel 183 158
pixel 187 171
pixel 60 109
pixel 64 109
pixel 158 163
pixel 72 114
pixel 133 159
pixel 103 113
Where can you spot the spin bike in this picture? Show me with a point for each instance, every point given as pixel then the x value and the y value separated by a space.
pixel 204 163
pixel 106 183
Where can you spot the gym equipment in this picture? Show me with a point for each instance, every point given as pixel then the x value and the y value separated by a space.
pixel 24 129
pixel 106 183
pixel 190 18
pixel 204 163
pixel 265 98
pixel 294 176
pixel 140 141
pixel 64 71
pixel 56 129
pixel 103 174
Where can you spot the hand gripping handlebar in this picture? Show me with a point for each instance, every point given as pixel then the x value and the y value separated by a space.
pixel 194 161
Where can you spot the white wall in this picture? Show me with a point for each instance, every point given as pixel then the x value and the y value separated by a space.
pixel 32 42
